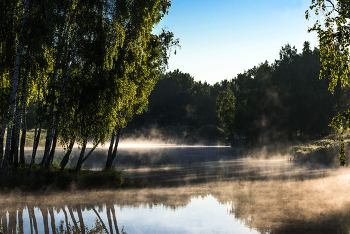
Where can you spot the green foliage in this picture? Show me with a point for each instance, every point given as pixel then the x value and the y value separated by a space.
pixel 225 107
pixel 334 39
pixel 177 100
pixel 284 100
pixel 342 123
pixel 96 229
pixel 210 134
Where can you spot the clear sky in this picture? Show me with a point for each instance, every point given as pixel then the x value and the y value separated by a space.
pixel 221 38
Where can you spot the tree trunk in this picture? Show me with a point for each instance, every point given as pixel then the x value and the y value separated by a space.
pixel 114 154
pixel 33 218
pixel 66 156
pixel 35 146
pixel 110 150
pixel 99 217
pixel 115 220
pixel 59 109
pixel 53 148
pixel 19 113
pixel 10 159
pixel 110 221
pixel 81 220
pixel 80 160
pixel 12 221
pixel 66 219
pixel 110 158
pixel 30 222
pixel 49 137
pixel 36 136
pixel 24 122
pixel 52 217
pixel 72 217
pixel 45 219
pixel 3 127
pixel 20 220
pixel 50 130
pixel 92 150
pixel 16 134
pixel 23 138
pixel 13 94
pixel 4 220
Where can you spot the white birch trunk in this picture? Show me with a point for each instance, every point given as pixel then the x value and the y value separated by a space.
pixel 81 156
pixel 66 156
pixel 23 125
pixel 35 143
pixel 15 137
pixel 3 127
pixel 24 133
pixel 51 129
pixel 13 94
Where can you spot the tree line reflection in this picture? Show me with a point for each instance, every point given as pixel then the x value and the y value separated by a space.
pixel 38 219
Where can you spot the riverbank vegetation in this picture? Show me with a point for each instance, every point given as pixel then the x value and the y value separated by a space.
pixel 85 68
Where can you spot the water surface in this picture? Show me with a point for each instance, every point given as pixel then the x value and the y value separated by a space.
pixel 194 190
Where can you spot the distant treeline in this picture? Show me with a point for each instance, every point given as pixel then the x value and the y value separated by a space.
pixel 183 108
pixel 282 100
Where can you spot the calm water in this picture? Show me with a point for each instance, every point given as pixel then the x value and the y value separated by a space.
pixel 194 190
pixel 200 215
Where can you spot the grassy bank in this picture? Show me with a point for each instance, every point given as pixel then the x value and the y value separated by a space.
pixel 68 180
pixel 324 150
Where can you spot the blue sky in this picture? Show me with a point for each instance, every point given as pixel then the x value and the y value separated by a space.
pixel 222 38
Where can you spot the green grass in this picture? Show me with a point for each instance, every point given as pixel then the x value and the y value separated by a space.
pixel 30 138
pixel 323 151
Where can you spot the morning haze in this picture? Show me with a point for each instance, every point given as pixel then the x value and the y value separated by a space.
pixel 99 136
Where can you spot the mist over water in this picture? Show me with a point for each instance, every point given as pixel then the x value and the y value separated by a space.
pixel 254 192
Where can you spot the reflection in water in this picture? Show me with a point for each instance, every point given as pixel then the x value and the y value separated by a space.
pixel 41 219
pixel 200 215
pixel 310 206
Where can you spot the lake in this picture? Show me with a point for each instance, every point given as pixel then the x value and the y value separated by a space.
pixel 194 190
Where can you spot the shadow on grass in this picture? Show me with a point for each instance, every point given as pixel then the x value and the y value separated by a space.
pixel 53 179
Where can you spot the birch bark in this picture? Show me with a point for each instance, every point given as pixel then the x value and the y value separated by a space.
pixel 66 156
pixel 81 156
pixel 36 135
pixel 24 121
pixel 13 94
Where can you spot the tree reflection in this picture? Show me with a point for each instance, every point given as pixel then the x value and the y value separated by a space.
pixel 14 219
pixel 32 219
